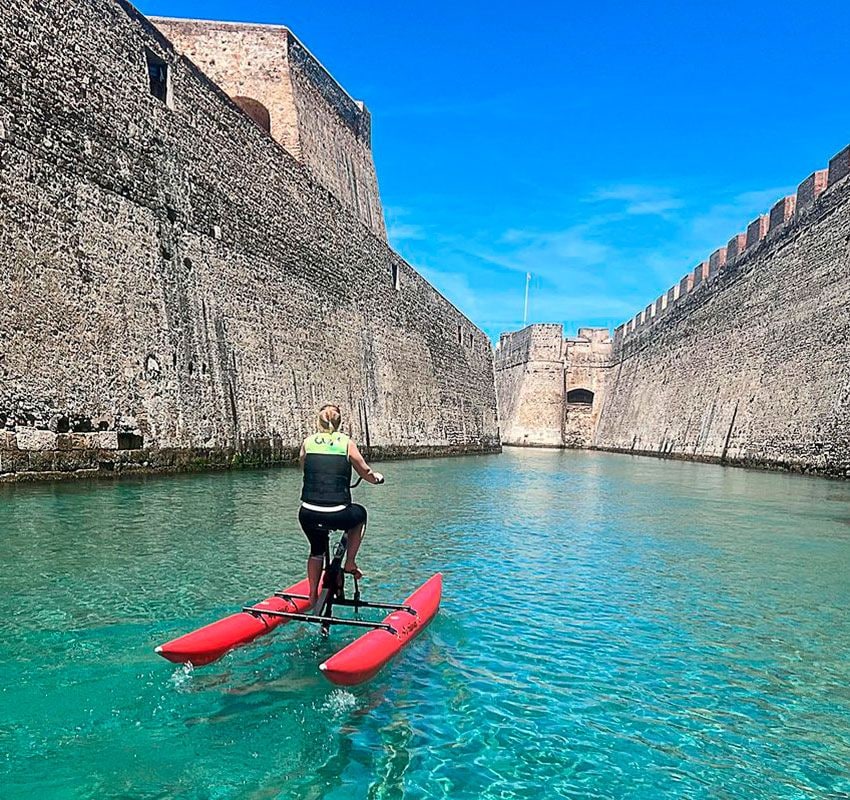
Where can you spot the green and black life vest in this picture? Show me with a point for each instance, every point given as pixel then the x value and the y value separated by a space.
pixel 327 470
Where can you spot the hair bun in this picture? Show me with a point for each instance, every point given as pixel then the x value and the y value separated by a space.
pixel 329 418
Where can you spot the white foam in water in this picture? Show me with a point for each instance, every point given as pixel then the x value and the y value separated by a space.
pixel 339 701
pixel 182 676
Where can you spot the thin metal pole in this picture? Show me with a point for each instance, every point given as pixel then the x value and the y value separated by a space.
pixel 525 307
pixel 354 623
pixel 354 603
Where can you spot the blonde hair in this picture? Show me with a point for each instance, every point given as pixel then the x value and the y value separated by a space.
pixel 329 418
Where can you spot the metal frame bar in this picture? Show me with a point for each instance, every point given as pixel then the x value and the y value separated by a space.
pixel 352 603
pixel 367 604
pixel 357 623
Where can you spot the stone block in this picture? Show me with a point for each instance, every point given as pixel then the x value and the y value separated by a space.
pixel 839 166
pixel 686 285
pixel 757 230
pixel 700 274
pixel 41 460
pixel 811 188
pixel 72 441
pixel 8 440
pixel 72 460
pixel 103 440
pixel 35 439
pixel 716 261
pixel 782 211
pixel 14 460
pixel 737 244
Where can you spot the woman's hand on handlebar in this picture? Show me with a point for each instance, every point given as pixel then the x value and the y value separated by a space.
pixel 361 467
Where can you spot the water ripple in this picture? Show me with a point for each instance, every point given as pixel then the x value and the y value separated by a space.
pixel 612 627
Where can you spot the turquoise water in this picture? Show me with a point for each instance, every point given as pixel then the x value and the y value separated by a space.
pixel 612 627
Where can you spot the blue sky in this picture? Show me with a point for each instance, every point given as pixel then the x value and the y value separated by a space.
pixel 607 148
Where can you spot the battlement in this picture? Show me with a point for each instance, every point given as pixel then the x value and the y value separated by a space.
pixel 710 276
pixel 542 342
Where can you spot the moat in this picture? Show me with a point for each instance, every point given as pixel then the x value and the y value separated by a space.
pixel 612 626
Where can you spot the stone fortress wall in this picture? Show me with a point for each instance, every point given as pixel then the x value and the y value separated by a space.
pixel 286 90
pixel 745 360
pixel 180 291
pixel 549 388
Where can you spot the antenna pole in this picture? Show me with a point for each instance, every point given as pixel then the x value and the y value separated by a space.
pixel 525 311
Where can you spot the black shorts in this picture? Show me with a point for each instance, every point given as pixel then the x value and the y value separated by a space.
pixel 318 524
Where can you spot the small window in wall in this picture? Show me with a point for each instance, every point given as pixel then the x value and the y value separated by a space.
pixel 396 278
pixel 460 334
pixel 583 397
pixel 159 78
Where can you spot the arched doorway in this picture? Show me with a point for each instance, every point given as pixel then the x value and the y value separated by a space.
pixel 580 397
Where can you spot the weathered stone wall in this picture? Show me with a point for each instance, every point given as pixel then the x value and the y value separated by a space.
pixel 178 290
pixel 537 374
pixel 310 114
pixel 338 155
pixel 746 360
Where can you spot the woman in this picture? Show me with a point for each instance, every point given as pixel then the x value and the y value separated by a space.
pixel 327 458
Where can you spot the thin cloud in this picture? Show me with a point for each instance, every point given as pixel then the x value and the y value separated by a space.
pixel 549 251
pixel 723 220
pixel 398 229
pixel 638 200
pixel 404 231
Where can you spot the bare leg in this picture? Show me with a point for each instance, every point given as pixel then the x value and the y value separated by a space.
pixel 314 575
pixel 355 536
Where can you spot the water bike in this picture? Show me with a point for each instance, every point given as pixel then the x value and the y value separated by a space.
pixel 356 662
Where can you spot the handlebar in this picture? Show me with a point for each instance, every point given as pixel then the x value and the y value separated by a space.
pixel 360 480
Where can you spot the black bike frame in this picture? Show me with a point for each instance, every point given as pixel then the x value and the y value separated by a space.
pixel 333 593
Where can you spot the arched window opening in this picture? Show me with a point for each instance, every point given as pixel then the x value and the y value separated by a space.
pixel 582 397
pixel 256 111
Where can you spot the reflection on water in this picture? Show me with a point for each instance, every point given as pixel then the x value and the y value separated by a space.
pixel 611 627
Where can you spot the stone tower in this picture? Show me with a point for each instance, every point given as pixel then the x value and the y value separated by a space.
pixel 274 79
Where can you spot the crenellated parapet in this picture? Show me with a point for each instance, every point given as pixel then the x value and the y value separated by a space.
pixel 712 274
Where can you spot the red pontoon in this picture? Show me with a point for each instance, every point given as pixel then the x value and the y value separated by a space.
pixel 364 657
pixel 211 642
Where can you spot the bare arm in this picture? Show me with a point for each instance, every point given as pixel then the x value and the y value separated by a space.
pixel 302 455
pixel 361 467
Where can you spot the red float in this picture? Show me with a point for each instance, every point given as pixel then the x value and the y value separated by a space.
pixel 364 657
